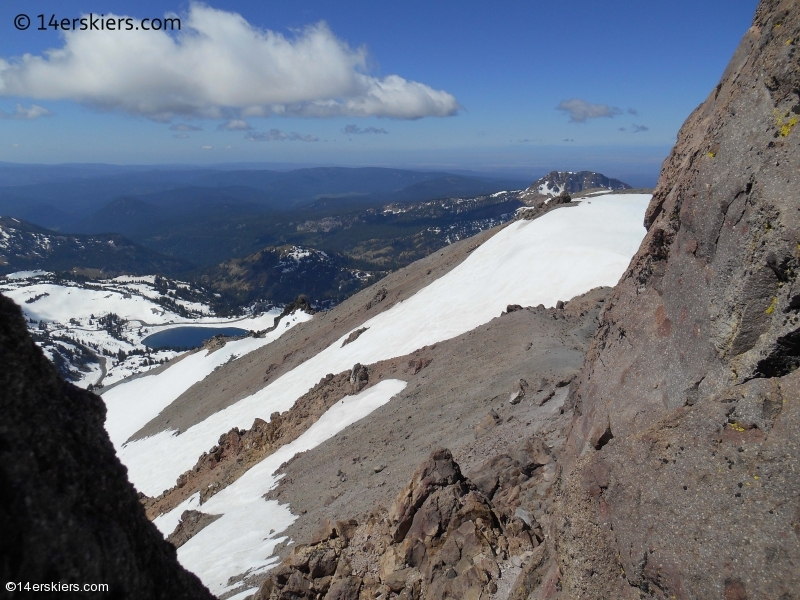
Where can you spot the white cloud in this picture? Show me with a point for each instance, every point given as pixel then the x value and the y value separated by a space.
pixel 205 147
pixel 276 135
pixel 34 111
pixel 185 127
pixel 235 125
pixel 356 130
pixel 218 66
pixel 580 110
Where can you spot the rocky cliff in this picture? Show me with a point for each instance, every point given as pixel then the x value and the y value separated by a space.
pixel 685 481
pixel 67 511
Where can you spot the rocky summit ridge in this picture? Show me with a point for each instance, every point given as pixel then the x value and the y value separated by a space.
pixel 556 183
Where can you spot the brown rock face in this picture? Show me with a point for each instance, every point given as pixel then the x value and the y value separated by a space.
pixel 708 299
pixel 685 448
pixel 441 538
pixel 67 511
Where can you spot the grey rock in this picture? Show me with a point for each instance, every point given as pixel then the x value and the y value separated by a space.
pixel 354 336
pixel 525 515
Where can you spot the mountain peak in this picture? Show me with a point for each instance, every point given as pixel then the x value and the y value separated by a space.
pixel 557 182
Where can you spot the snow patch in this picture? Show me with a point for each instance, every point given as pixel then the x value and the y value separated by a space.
pixel 243 539
pixel 25 274
pixel 243 595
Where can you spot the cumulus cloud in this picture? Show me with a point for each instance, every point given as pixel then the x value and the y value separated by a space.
pixel 219 66
pixel 234 125
pixel 276 135
pixel 34 111
pixel 637 128
pixel 185 127
pixel 356 130
pixel 580 110
pixel 181 136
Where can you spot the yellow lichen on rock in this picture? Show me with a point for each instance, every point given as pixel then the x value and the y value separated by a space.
pixel 772 306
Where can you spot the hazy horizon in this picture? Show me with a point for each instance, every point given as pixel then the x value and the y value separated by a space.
pixel 518 89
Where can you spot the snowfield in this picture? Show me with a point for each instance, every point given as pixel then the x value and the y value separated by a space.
pixel 560 255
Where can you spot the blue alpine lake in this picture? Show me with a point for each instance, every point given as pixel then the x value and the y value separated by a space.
pixel 188 337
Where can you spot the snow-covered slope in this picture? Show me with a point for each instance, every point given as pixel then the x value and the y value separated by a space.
pixel 133 404
pixel 25 246
pixel 556 257
pixel 107 320
pixel 244 538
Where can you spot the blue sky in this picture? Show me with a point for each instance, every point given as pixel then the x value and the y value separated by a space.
pixel 480 83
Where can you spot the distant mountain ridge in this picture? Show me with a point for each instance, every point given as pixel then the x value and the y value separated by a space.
pixel 52 198
pixel 281 274
pixel 556 182
pixel 25 246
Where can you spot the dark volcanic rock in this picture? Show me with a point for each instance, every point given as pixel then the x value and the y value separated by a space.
pixel 354 336
pixel 191 523
pixel 67 511
pixel 686 445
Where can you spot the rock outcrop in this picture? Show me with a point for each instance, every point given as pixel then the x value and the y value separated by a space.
pixel 541 205
pixel 683 481
pixel 443 537
pixel 67 511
